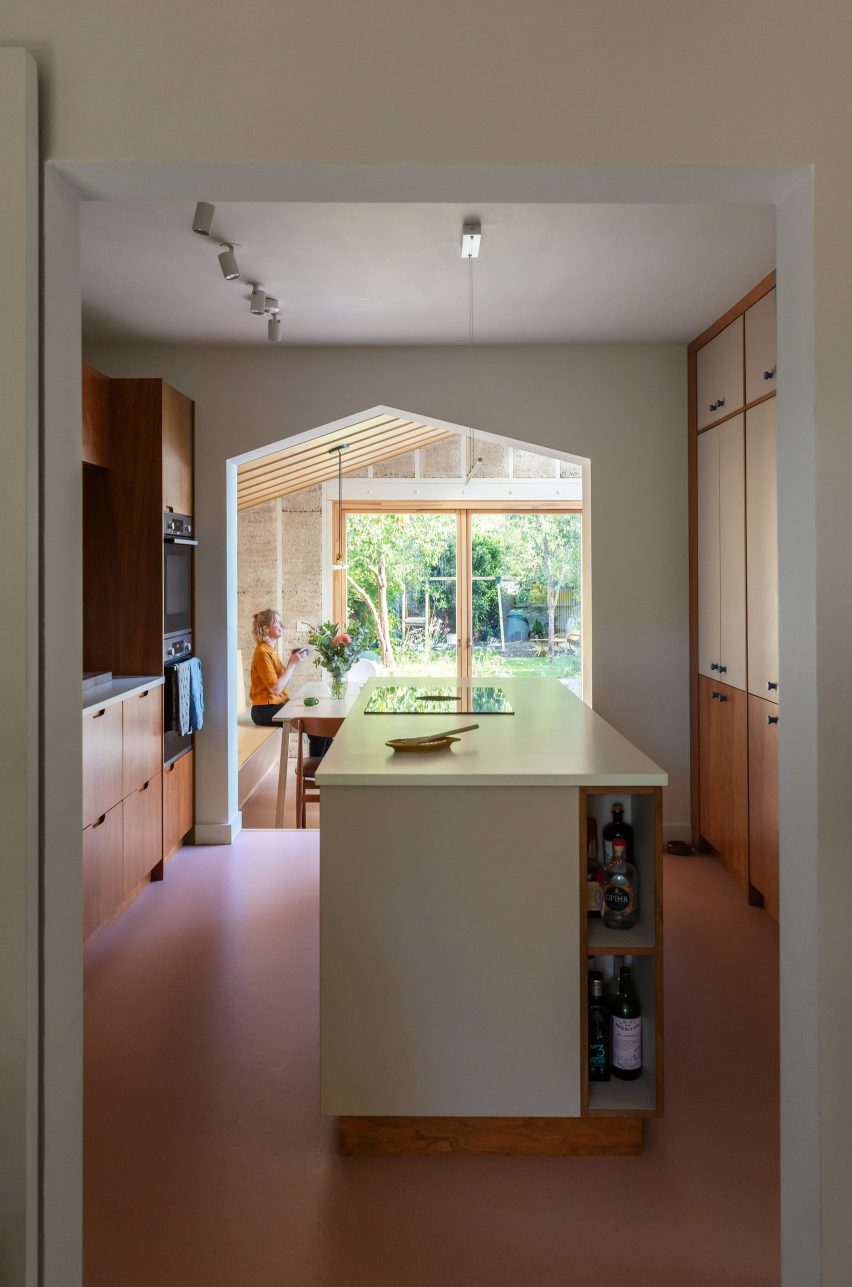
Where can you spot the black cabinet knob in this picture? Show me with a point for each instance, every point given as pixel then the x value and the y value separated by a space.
pixel 714 665
pixel 772 685
pixel 722 697
pixel 715 696
pixel 772 719
pixel 770 375
pixel 723 670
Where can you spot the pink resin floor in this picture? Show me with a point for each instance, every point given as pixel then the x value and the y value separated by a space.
pixel 209 1165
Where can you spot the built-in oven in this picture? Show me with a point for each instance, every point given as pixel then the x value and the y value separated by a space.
pixel 178 546
pixel 177 647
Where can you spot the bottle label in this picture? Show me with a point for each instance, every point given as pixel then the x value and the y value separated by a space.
pixel 592 902
pixel 626 1043
pixel 597 1055
pixel 620 899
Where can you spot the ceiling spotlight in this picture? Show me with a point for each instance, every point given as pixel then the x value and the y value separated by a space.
pixel 258 300
pixel 272 305
pixel 471 238
pixel 202 220
pixel 273 328
pixel 228 262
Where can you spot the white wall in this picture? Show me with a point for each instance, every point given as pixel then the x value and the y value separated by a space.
pixel 578 92
pixel 19 749
pixel 624 407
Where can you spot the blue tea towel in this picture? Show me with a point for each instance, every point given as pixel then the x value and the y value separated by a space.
pixel 196 695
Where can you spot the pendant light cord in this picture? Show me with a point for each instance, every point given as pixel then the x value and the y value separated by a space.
pixel 470 346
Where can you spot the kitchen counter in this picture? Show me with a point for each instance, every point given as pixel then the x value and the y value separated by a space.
pixel 454 942
pixel 552 739
pixel 119 689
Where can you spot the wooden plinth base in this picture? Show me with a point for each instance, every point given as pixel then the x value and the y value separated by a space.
pixel 509 1136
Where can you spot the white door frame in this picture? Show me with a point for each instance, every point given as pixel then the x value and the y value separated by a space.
pixel 789 189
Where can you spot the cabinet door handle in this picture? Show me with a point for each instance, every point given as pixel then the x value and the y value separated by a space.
pixel 720 402
pixel 145 694
pixel 772 719
pixel 723 670
pixel 713 406
pixel 772 685
pixel 99 714
pixel 770 375
pixel 714 665
pixel 101 820
pixel 145 787
pixel 170 768
pixel 722 697
pixel 715 696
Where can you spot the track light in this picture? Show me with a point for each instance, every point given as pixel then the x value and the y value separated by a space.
pixel 258 300
pixel 273 328
pixel 228 262
pixel 202 220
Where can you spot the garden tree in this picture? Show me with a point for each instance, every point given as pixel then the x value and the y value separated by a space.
pixel 547 546
pixel 386 552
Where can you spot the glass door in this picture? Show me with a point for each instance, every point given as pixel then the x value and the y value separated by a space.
pixel 525 595
pixel 401 584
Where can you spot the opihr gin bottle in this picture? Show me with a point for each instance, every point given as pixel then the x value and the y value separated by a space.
pixel 620 889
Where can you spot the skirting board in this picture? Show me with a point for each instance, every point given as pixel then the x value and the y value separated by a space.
pixel 503 1136
pixel 219 833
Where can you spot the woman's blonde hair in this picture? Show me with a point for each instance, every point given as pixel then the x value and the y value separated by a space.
pixel 261 623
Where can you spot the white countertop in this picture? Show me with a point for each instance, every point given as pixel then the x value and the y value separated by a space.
pixel 553 739
pixel 118 690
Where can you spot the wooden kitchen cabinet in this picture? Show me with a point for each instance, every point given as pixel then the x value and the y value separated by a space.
pixel 762 546
pixel 732 552
pixel 709 598
pixel 719 374
pixel 723 779
pixel 721 553
pixel 96 418
pixel 143 832
pixel 177 451
pixel 760 352
pixel 763 724
pixel 178 808
pixel 103 885
pixel 143 738
pixel 102 761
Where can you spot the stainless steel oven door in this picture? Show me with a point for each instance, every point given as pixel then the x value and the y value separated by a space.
pixel 177 587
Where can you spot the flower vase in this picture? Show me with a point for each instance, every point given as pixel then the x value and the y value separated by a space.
pixel 338 686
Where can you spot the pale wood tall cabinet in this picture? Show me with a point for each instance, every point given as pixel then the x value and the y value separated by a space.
pixel 734 592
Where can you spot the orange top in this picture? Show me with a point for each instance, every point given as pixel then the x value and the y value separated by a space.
pixel 266 669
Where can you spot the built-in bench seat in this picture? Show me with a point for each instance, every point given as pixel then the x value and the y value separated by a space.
pixel 257 748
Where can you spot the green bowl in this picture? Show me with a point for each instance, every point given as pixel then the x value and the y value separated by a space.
pixel 312 701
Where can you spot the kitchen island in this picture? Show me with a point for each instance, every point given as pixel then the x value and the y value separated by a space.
pixel 454 937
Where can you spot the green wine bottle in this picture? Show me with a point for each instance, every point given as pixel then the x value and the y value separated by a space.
pixel 626 1029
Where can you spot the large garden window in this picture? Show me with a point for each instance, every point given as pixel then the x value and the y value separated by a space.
pixel 466 590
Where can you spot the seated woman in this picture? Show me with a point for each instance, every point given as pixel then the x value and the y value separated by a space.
pixel 269 675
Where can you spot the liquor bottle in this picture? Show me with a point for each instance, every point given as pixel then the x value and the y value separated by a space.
pixel 594 870
pixel 626 1029
pixel 618 829
pixel 599 1029
pixel 620 890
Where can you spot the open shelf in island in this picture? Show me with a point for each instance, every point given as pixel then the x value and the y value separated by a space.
pixel 605 949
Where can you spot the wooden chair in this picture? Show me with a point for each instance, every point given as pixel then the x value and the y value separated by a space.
pixel 307 791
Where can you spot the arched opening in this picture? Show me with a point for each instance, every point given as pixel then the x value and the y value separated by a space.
pixel 450 552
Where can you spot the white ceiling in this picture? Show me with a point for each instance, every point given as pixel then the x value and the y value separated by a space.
pixel 393 274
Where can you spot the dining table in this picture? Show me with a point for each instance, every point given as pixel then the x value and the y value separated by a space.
pixel 328 710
